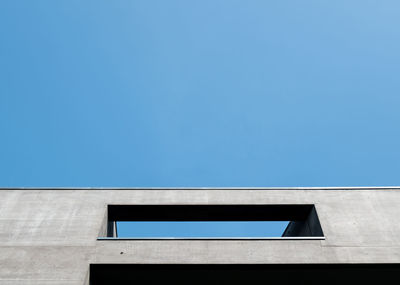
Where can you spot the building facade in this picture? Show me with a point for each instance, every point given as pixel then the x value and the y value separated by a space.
pixel 67 236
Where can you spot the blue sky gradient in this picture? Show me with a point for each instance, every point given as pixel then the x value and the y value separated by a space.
pixel 199 93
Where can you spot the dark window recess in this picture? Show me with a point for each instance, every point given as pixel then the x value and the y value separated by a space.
pixel 301 220
pixel 107 274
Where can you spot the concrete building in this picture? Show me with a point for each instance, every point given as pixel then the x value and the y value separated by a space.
pixel 67 236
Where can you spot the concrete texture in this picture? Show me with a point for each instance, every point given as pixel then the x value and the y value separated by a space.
pixel 49 236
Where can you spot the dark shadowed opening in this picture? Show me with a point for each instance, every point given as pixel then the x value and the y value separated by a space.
pixel 212 221
pixel 107 274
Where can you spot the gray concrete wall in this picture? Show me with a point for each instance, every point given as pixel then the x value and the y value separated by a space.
pixel 49 236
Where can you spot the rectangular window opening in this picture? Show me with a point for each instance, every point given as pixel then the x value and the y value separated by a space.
pixel 212 222
pixel 107 274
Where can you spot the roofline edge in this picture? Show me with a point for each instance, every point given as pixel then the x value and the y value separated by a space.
pixel 208 188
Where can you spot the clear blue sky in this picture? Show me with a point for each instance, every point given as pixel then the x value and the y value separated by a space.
pixel 201 229
pixel 199 93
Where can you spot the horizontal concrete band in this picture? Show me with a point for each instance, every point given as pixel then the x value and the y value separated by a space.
pixel 51 236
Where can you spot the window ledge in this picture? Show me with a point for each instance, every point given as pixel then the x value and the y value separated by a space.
pixel 211 238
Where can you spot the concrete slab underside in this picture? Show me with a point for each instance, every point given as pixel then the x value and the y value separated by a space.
pixel 49 236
